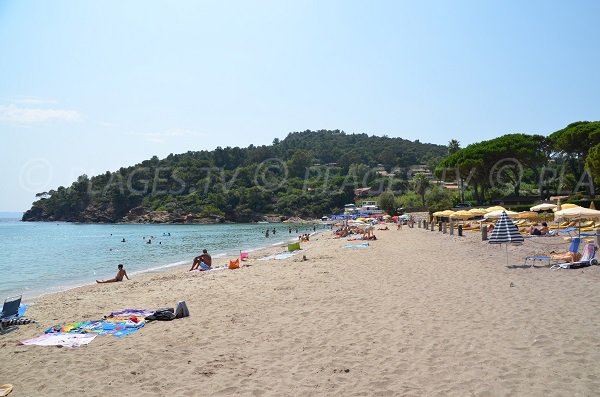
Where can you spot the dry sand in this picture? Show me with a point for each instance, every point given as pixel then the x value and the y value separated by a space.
pixel 417 313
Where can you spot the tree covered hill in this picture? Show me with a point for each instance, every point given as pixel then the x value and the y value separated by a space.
pixel 308 173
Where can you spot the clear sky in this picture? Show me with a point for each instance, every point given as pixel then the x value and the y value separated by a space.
pixel 87 87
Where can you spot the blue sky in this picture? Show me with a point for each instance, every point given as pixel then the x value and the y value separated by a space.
pixel 88 86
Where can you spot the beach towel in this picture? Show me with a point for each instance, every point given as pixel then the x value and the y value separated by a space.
pixel 115 326
pixel 280 256
pixel 361 245
pixel 60 339
pixel 212 269
pixel 132 312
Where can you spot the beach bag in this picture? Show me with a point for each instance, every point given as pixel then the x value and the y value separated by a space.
pixel 293 246
pixel 162 315
pixel 181 310
pixel 234 264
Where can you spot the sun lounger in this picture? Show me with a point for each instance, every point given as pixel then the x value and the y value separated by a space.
pixel 588 258
pixel 574 247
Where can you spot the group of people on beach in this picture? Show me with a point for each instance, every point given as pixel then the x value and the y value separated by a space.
pixel 366 232
pixel 201 262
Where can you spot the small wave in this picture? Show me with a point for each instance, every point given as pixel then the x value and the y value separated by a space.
pixel 161 267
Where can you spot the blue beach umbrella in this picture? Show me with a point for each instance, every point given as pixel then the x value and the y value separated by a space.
pixel 505 232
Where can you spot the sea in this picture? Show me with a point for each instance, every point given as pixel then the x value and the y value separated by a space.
pixel 44 257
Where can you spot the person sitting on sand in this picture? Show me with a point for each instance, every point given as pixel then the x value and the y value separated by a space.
pixel 490 228
pixel 119 277
pixel 542 231
pixel 203 261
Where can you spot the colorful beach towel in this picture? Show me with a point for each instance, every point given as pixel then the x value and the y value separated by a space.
pixel 109 326
pixel 60 339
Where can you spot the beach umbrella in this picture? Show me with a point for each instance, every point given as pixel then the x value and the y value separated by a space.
pixel 498 213
pixel 567 206
pixel 577 214
pixel 592 206
pixel 505 232
pixel 462 214
pixel 447 213
pixel 527 215
pixel 477 211
pixel 494 208
pixel 543 207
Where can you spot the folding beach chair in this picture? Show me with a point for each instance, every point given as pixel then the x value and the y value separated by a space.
pixel 10 311
pixel 588 258
pixel 574 247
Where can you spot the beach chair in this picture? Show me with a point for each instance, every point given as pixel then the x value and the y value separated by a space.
pixel 588 258
pixel 10 312
pixel 574 247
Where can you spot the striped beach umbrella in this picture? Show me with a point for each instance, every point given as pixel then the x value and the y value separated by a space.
pixel 505 232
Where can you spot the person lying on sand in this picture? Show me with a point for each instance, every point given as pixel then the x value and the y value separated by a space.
pixel 119 277
pixel 203 261
pixel 542 231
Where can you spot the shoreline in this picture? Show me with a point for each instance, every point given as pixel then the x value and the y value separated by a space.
pixel 30 297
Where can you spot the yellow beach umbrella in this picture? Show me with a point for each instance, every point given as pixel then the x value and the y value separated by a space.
pixel 527 215
pixel 462 214
pixel 592 206
pixel 495 208
pixel 568 205
pixel 477 211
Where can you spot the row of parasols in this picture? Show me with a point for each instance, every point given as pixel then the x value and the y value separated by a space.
pixel 565 211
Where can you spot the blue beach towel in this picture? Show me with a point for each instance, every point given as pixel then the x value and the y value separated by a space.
pixel 361 245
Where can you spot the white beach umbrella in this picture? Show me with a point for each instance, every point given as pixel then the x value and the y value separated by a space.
pixel 543 207
pixel 498 214
pixel 578 213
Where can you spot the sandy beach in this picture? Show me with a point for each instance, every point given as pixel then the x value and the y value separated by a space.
pixel 416 313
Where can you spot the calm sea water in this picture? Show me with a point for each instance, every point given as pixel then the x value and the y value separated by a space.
pixel 42 257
